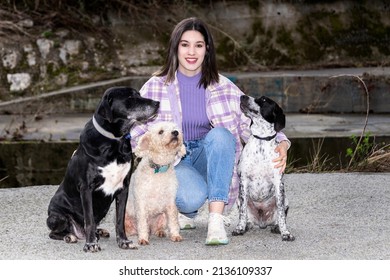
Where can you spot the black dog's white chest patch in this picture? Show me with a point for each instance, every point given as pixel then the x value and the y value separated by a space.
pixel 114 174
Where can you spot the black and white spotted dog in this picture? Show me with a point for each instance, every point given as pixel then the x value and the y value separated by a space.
pixel 99 171
pixel 262 198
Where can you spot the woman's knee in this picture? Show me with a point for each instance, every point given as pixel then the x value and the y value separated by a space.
pixel 220 137
pixel 192 190
pixel 188 203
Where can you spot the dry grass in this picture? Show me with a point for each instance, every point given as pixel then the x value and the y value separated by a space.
pixel 377 161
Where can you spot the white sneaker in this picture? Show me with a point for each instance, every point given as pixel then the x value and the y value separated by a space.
pixel 216 234
pixel 185 222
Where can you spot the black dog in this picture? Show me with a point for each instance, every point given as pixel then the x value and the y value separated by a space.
pixel 99 171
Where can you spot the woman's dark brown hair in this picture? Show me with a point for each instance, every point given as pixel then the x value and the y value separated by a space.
pixel 209 65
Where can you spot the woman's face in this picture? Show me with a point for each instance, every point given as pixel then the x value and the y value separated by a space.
pixel 191 52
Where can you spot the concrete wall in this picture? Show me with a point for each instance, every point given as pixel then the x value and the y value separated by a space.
pixel 252 37
pixel 322 91
pixel 314 91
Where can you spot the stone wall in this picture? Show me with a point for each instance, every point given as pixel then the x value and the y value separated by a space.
pixel 250 36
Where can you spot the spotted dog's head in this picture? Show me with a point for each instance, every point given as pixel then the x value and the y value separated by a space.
pixel 261 109
pixel 162 143
pixel 121 107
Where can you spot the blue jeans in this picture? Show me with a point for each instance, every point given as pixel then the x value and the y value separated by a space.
pixel 206 171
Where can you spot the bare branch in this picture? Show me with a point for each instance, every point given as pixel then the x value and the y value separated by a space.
pixel 367 112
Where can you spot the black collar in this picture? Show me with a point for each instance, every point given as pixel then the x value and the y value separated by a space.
pixel 268 138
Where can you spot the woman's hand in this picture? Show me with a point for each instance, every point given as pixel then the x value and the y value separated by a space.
pixel 281 161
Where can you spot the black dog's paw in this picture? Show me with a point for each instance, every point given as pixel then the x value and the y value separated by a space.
pixel 70 238
pixel 91 247
pixel 126 244
pixel 288 237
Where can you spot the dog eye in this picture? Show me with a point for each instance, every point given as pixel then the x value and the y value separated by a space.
pixel 161 132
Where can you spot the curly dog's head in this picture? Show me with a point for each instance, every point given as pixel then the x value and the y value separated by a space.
pixel 162 143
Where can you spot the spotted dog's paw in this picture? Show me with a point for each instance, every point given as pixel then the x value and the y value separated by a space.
pixel 275 230
pixel 239 231
pixel 288 237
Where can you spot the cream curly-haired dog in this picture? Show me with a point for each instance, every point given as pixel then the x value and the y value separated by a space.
pixel 152 193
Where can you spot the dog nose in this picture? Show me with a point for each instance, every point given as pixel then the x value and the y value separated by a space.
pixel 175 133
pixel 156 104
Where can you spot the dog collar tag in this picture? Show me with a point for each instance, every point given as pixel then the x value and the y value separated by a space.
pixel 128 136
pixel 161 169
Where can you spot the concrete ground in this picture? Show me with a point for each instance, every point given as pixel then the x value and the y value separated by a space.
pixel 334 216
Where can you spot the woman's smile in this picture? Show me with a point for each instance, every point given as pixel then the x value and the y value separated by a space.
pixel 191 52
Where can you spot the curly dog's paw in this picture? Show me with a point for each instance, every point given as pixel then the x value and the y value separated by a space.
pixel 176 238
pixel 160 233
pixel 143 242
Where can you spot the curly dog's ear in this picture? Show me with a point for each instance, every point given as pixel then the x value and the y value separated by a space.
pixel 182 152
pixel 143 145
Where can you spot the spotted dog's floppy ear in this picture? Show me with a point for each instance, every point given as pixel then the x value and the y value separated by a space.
pixel 272 113
pixel 141 150
pixel 280 118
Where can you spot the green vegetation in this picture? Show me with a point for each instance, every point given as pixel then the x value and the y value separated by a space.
pixel 363 150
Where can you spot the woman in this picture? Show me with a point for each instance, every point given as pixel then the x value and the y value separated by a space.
pixel 206 105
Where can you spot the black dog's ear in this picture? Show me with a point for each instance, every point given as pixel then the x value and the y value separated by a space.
pixel 280 118
pixel 105 108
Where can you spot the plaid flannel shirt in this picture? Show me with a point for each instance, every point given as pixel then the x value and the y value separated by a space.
pixel 223 110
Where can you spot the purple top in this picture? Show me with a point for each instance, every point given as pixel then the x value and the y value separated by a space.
pixel 222 107
pixel 195 123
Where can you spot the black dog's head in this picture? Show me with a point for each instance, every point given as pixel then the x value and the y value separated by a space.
pixel 263 108
pixel 123 106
